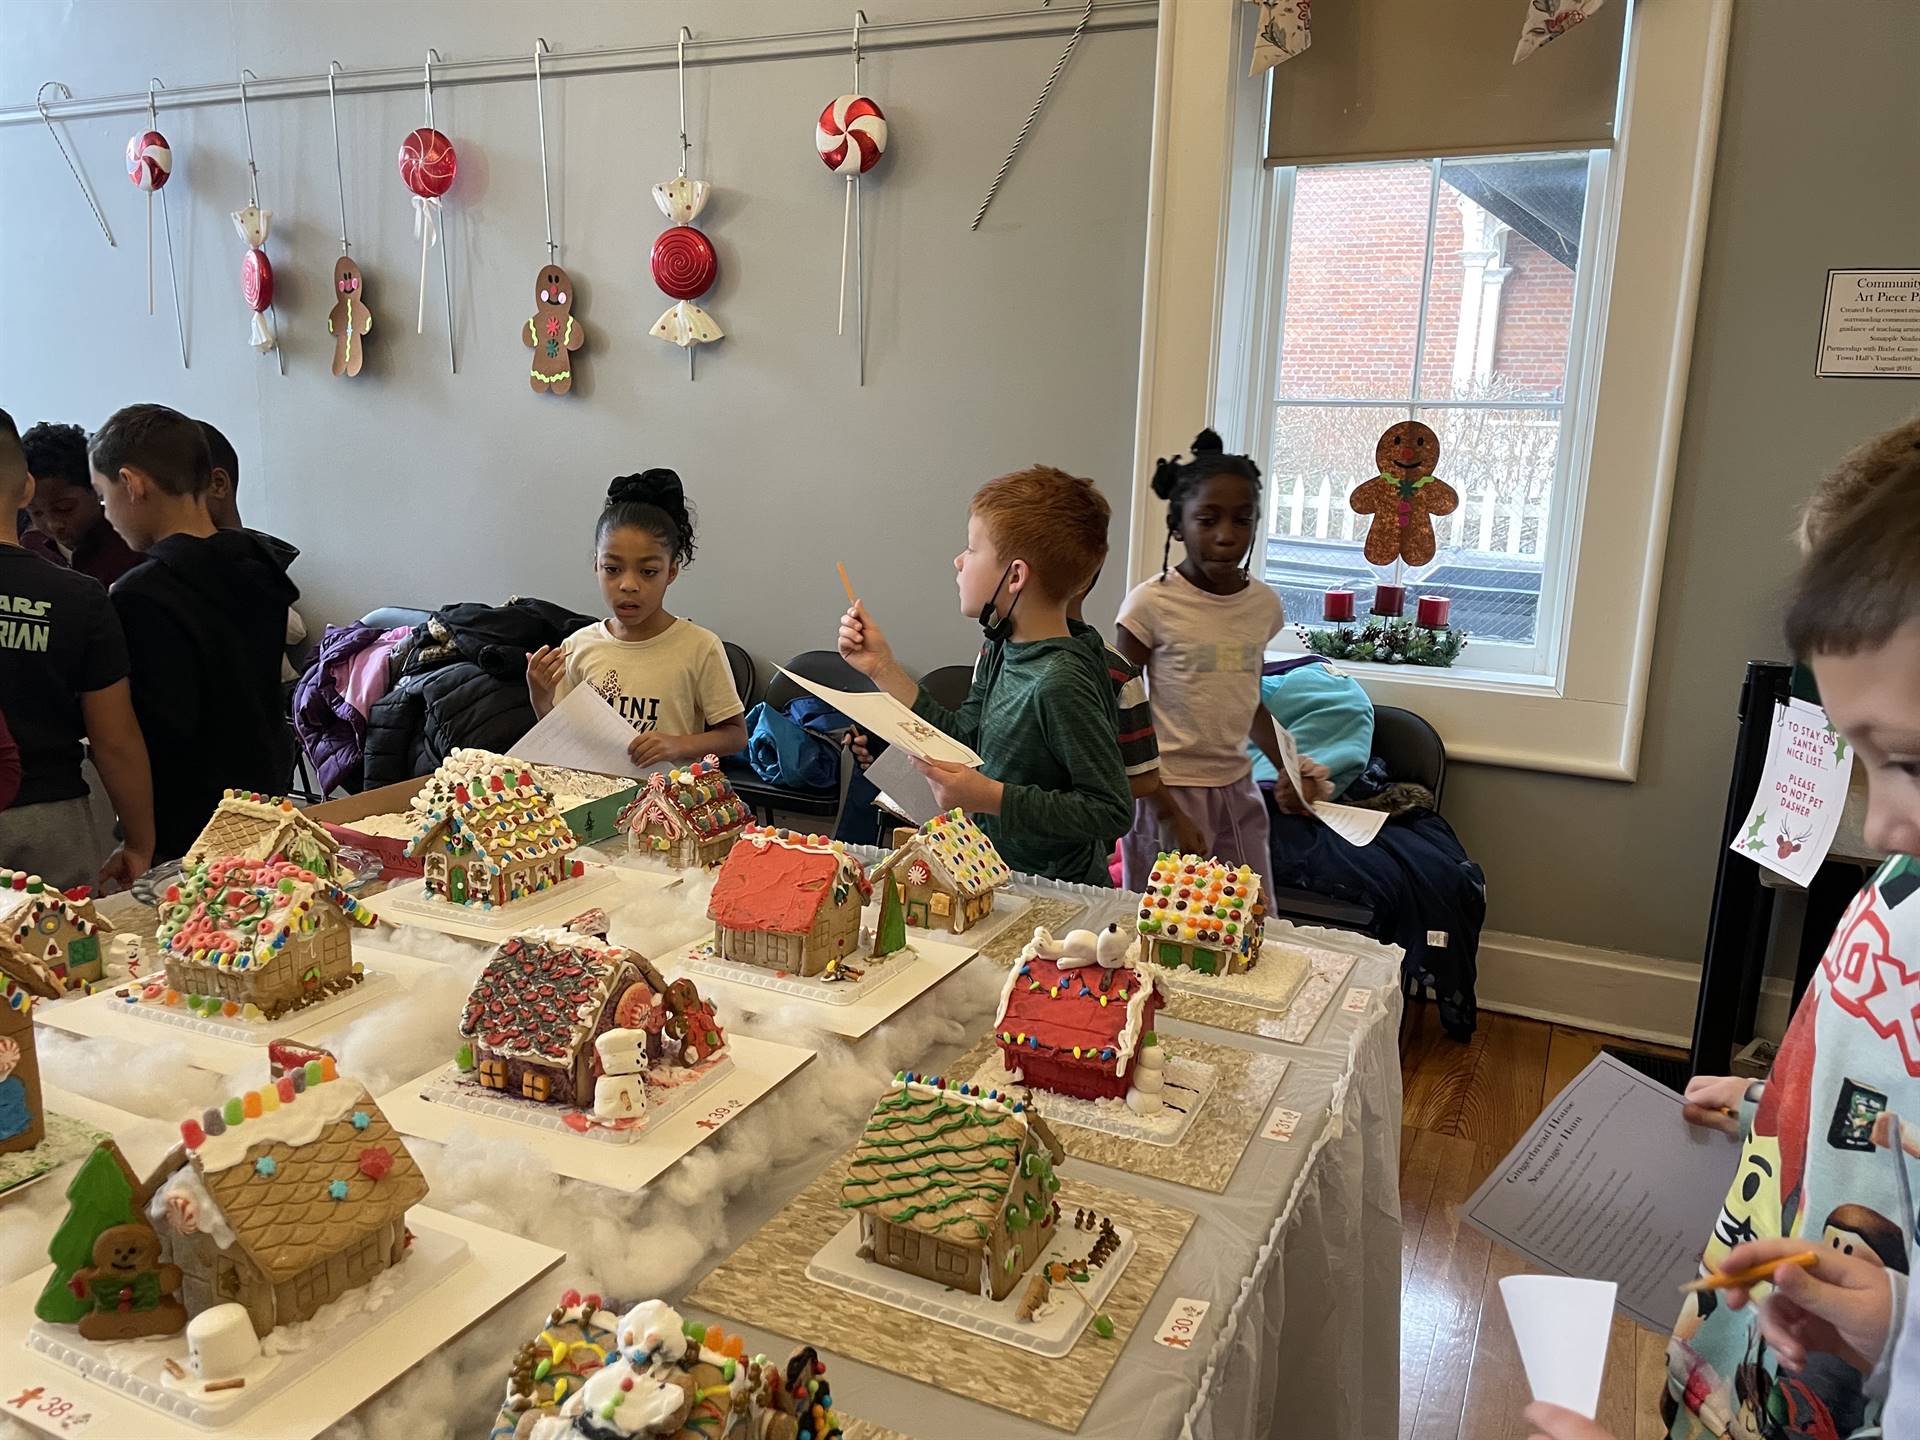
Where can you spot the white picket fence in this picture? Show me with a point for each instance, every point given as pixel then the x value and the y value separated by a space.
pixel 1493 524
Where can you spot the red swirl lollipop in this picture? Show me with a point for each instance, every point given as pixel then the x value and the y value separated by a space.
pixel 427 163
pixel 684 264
pixel 149 160
pixel 256 280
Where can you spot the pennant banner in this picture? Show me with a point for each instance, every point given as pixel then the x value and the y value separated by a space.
pixel 1286 29
pixel 1549 20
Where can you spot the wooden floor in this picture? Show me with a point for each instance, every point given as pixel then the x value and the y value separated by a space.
pixel 1466 1105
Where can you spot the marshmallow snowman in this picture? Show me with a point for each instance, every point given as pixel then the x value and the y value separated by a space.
pixel 221 1342
pixel 1149 1081
pixel 621 1090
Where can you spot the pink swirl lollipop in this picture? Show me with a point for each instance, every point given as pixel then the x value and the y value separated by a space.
pixel 428 163
pixel 851 135
pixel 149 160
pixel 684 263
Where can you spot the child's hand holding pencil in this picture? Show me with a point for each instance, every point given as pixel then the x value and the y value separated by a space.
pixel 1832 1298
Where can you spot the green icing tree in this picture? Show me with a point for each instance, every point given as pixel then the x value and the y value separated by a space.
pixel 100 1196
pixel 891 933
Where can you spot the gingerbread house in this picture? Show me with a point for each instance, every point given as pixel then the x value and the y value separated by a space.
pixel 1201 914
pixel 947 871
pixel 266 827
pixel 492 837
pixel 59 928
pixel 689 818
pixel 954 1185
pixel 533 1016
pixel 787 902
pixel 285 1198
pixel 265 933
pixel 1074 1025
pixel 23 980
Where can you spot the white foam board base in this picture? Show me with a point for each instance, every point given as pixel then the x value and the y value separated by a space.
pixel 746 989
pixel 407 903
pixel 448 1087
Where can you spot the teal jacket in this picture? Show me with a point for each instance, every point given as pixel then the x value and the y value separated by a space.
pixel 1329 716
pixel 1042 716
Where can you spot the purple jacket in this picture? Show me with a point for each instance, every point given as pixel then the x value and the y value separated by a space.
pixel 332 732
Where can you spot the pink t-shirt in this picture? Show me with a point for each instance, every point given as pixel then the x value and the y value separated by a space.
pixel 1203 678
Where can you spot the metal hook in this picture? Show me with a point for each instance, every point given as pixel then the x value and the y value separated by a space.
pixel 40 104
pixel 339 176
pixel 540 103
pixel 253 170
pixel 680 63
pixel 433 56
pixel 153 114
pixel 859 19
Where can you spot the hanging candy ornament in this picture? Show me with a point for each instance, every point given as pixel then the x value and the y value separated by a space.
pixel 427 165
pixel 149 167
pixel 254 224
pixel 349 322
pixel 851 136
pixel 683 261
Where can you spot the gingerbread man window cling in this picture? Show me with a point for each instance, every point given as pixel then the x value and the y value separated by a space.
pixel 1404 497
pixel 553 334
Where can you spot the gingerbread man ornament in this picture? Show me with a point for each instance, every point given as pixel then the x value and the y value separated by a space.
pixel 553 334
pixel 1404 497
pixel 349 322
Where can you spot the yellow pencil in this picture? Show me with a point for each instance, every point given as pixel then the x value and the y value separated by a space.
pixel 845 583
pixel 1752 1275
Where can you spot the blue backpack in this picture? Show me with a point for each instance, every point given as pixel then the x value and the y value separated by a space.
pixel 798 746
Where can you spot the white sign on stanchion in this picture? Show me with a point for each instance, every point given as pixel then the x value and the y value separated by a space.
pixel 1802 794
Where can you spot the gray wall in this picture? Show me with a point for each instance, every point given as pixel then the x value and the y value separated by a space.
pixel 1815 171
pixel 409 485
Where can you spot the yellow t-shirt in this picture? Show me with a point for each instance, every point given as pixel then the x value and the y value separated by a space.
pixel 677 682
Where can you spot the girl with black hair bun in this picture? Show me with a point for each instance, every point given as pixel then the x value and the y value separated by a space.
pixel 667 677
pixel 1200 631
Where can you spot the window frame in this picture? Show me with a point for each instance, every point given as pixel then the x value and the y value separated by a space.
pixel 1206 246
pixel 1259 369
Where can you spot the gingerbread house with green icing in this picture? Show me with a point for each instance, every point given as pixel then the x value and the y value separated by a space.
pixel 947 871
pixel 265 933
pixel 266 827
pixel 285 1198
pixel 1202 915
pixel 954 1185
pixel 58 928
pixel 492 836
pixel 688 817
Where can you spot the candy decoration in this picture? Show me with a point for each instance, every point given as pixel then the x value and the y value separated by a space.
pixel 149 167
pixel 683 262
pixel 349 321
pixel 428 165
pixel 851 136
pixel 1032 115
pixel 552 332
pixel 40 104
pixel 254 224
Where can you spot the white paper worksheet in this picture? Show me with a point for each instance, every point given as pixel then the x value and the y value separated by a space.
pixel 878 713
pixel 1612 1183
pixel 581 732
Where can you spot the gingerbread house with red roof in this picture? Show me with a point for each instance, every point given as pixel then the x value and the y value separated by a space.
pixel 1074 1014
pixel 688 817
pixel 491 836
pixel 58 928
pixel 787 902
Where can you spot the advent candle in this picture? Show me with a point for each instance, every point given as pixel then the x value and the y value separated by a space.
pixel 1433 611
pixel 1389 599
pixel 1337 605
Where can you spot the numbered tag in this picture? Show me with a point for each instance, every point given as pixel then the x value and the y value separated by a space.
pixel 1182 1325
pixel 720 1114
pixel 1280 1124
pixel 46 1408
pixel 1357 999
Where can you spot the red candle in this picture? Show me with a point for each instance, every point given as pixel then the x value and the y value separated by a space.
pixel 1337 605
pixel 1389 599
pixel 1433 611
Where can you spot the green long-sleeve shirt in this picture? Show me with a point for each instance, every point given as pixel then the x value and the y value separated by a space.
pixel 1041 714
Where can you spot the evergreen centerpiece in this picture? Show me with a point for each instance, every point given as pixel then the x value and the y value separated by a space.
pixel 1386 640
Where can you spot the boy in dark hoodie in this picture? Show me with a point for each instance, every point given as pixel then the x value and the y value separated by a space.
pixel 223 504
pixel 205 620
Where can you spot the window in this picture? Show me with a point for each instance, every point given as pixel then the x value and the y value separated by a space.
pixel 493 1074
pixel 1446 291
pixel 949 1261
pixel 535 1084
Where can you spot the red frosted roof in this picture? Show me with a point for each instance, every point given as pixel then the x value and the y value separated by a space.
pixel 1061 1018
pixel 774 887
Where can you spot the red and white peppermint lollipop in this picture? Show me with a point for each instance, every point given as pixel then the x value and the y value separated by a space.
pixel 149 160
pixel 428 163
pixel 851 136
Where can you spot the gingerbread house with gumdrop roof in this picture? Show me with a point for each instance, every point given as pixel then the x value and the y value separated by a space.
pixel 23 980
pixel 266 827
pixel 688 817
pixel 491 837
pixel 954 1185
pixel 1202 915
pixel 1075 1029
pixel 58 928
pixel 947 870
pixel 285 1198
pixel 788 902
pixel 265 933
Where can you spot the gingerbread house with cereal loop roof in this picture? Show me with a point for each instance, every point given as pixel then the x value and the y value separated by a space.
pixel 787 902
pixel 688 817
pixel 954 1185
pixel 265 933
pixel 285 1198
pixel 1200 914
pixel 58 928
pixel 492 838
pixel 947 870
pixel 266 827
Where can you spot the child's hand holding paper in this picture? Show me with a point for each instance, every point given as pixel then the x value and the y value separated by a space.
pixel 961 785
